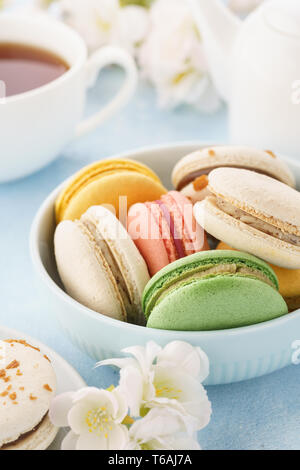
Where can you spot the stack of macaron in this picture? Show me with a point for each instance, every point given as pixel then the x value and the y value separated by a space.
pixel 127 248
pixel 100 264
pixel 190 175
pixel 27 387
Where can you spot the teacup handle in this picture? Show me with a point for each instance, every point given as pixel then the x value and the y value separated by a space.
pixel 100 59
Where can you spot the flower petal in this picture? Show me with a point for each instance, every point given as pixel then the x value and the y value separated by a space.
pixel 120 363
pixel 93 400
pixel 179 442
pixel 70 441
pixel 118 437
pixel 115 439
pixel 122 410
pixel 183 391
pixel 144 355
pixel 60 408
pixel 92 441
pixel 191 360
pixel 157 423
pixel 83 392
pixel 131 385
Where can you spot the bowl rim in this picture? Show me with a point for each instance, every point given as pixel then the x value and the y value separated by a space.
pixel 59 292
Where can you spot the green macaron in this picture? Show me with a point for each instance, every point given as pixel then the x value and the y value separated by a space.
pixel 213 290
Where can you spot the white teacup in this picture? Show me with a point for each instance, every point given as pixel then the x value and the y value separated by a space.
pixel 36 125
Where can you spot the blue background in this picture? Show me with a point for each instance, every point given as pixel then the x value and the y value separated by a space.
pixel 258 414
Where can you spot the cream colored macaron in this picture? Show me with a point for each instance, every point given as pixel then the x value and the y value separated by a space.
pixel 190 174
pixel 27 386
pixel 253 213
pixel 100 266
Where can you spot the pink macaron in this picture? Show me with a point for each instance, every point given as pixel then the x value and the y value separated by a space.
pixel 165 230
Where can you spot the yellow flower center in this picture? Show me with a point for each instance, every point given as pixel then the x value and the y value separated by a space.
pixel 98 421
pixel 163 391
pixel 102 24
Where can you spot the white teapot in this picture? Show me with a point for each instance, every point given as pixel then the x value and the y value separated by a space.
pixel 256 67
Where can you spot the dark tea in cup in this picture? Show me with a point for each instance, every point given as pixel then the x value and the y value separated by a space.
pixel 24 67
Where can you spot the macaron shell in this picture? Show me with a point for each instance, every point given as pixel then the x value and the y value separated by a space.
pixel 104 183
pixel 84 272
pixel 193 236
pixel 221 156
pixel 217 303
pixel 40 439
pixel 257 194
pixel 243 237
pixel 183 267
pixel 129 260
pixel 141 223
pixel 26 397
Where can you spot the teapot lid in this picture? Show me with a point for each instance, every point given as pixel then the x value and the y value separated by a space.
pixel 283 16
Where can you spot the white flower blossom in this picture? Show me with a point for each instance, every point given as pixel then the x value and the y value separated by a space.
pixel 161 429
pixel 103 22
pixel 151 379
pixel 172 58
pixel 191 360
pixel 95 418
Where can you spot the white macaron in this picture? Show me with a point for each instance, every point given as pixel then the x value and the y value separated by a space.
pixel 27 387
pixel 100 266
pixel 190 174
pixel 253 213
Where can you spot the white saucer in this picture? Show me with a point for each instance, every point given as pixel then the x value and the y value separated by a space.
pixel 67 377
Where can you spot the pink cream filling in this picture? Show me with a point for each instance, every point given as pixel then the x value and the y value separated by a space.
pixel 173 231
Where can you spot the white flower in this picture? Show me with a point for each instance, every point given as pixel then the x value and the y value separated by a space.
pixel 131 28
pixel 173 59
pixel 185 357
pixel 161 429
pixel 152 379
pixel 95 417
pixel 102 22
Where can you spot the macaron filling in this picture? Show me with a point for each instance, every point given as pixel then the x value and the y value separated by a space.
pixel 186 230
pixel 173 231
pixel 25 435
pixel 256 223
pixel 194 175
pixel 104 250
pixel 163 231
pixel 209 269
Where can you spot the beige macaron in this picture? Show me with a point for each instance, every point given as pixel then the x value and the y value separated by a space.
pixel 100 266
pixel 27 387
pixel 253 213
pixel 190 174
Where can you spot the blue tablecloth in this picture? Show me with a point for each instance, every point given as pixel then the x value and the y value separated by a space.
pixel 258 414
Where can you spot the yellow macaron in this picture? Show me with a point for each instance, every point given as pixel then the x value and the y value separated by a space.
pixel 289 282
pixel 103 183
